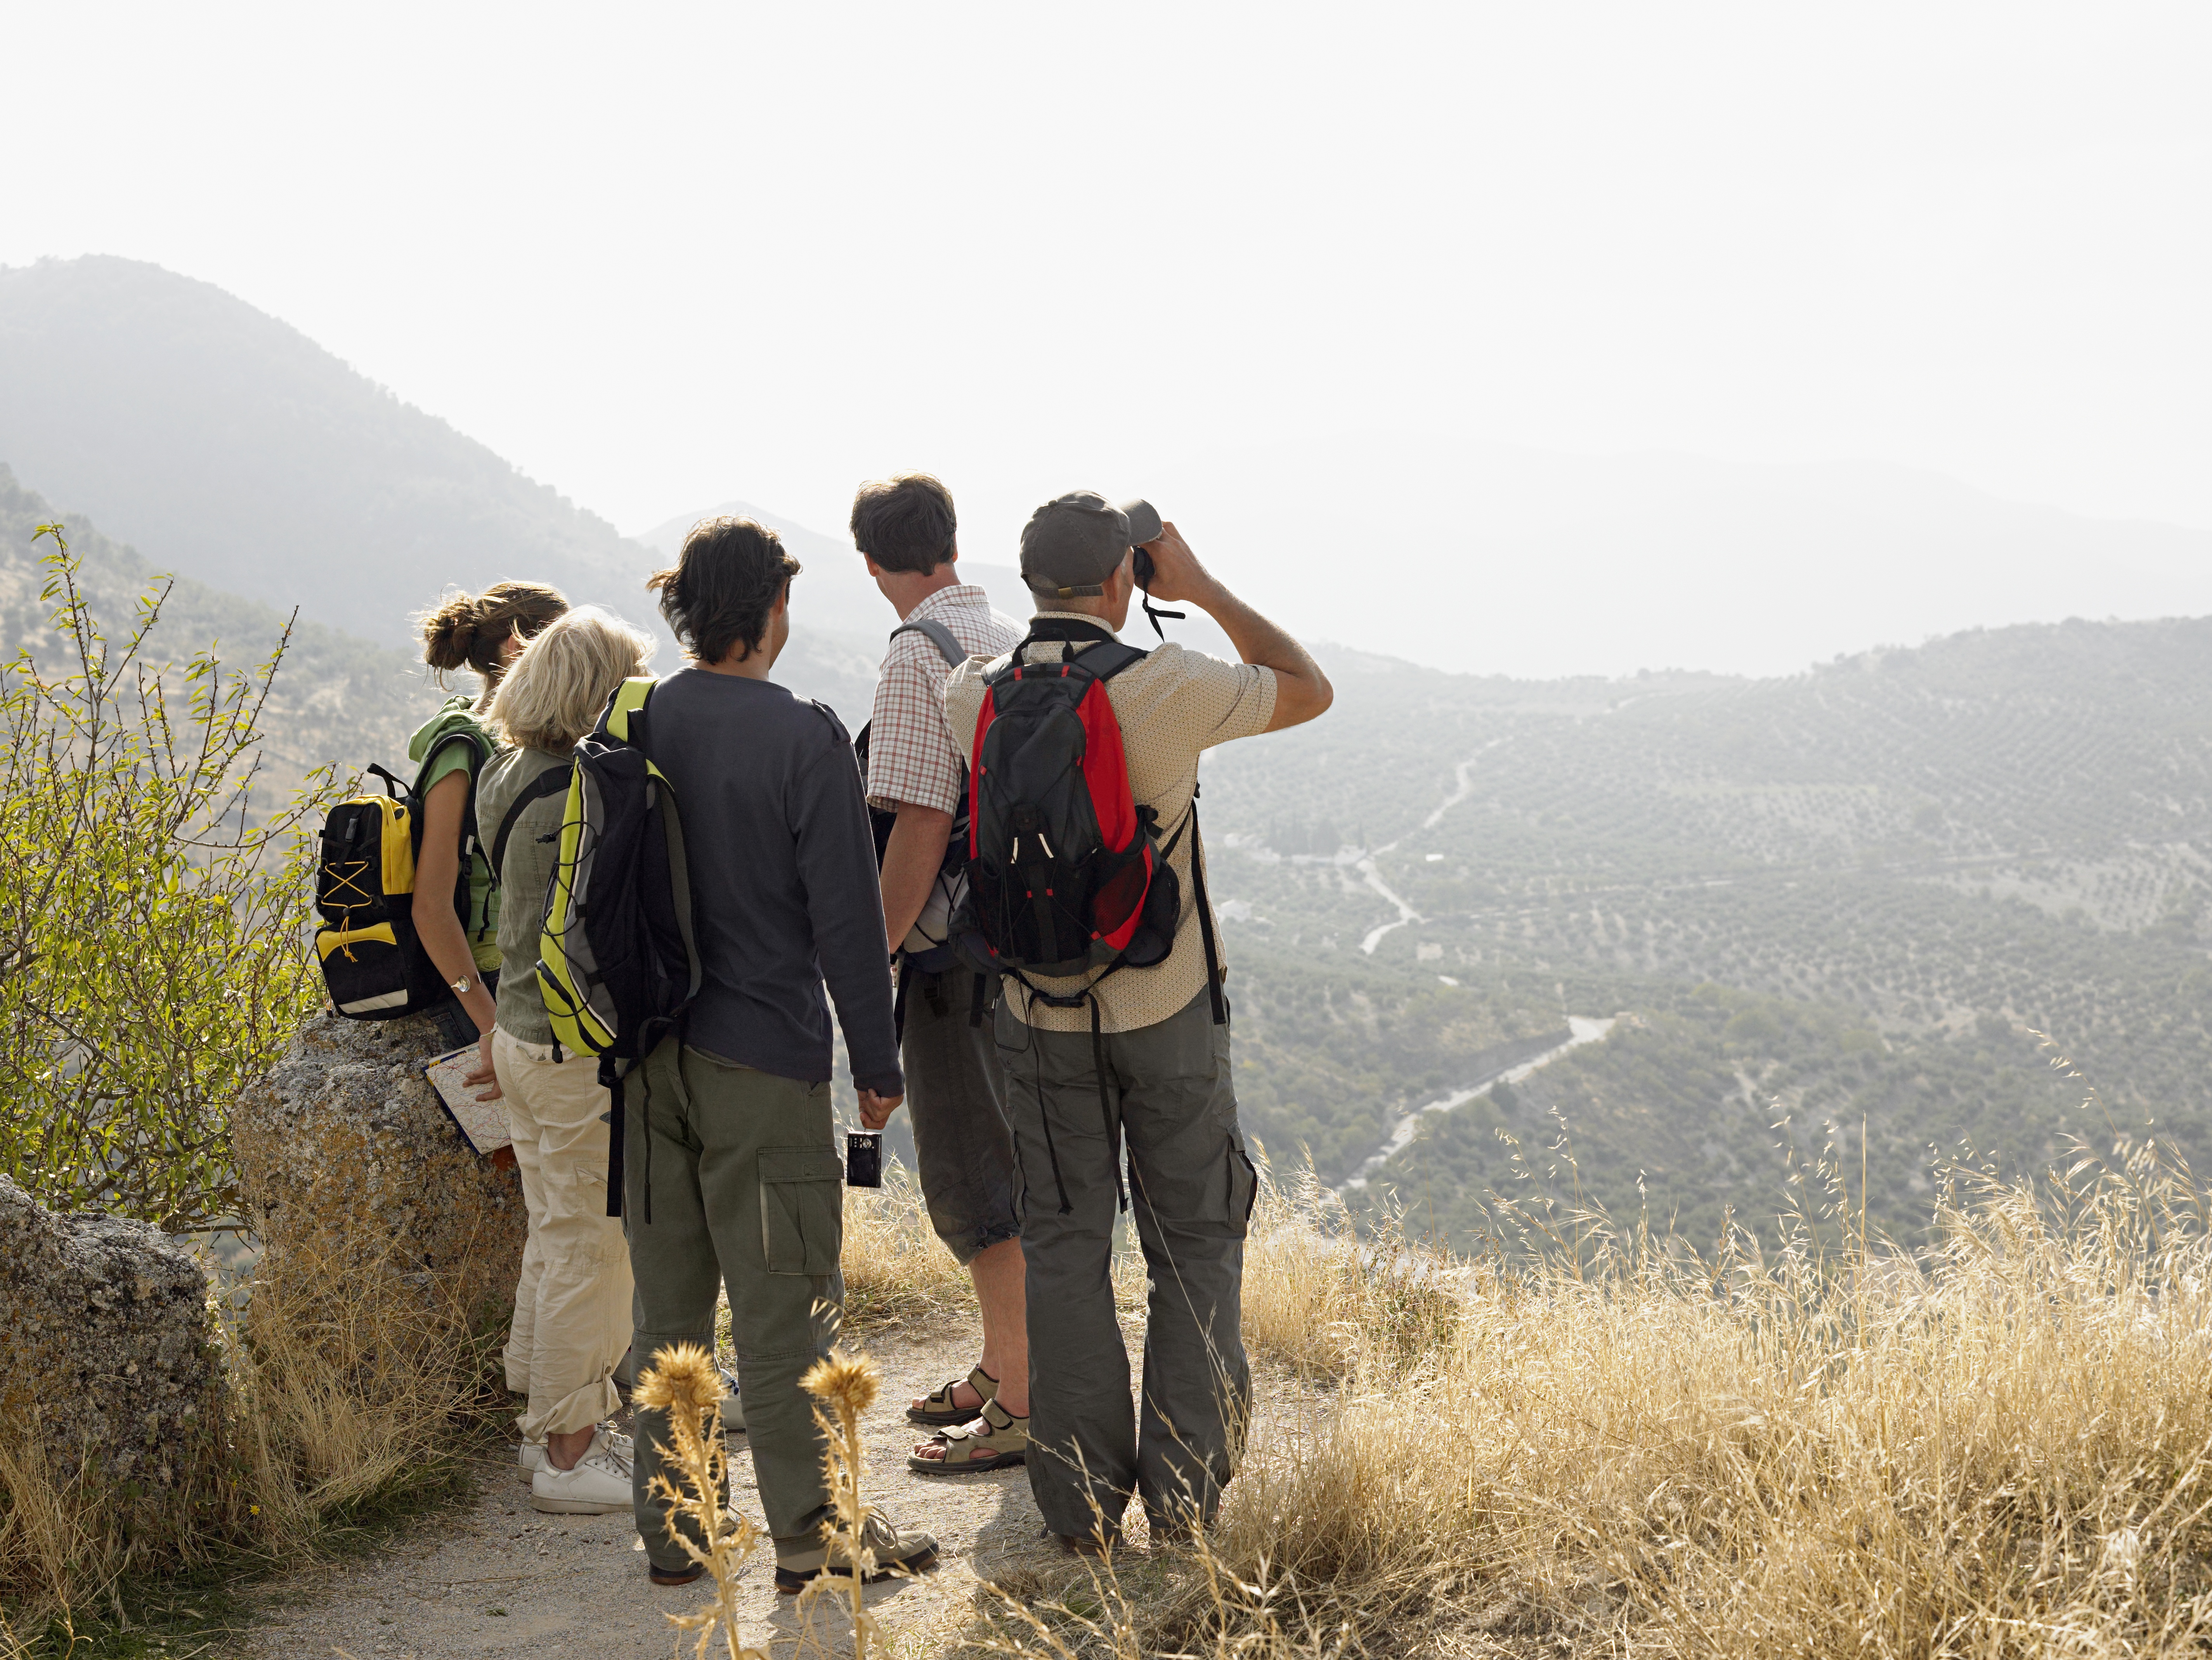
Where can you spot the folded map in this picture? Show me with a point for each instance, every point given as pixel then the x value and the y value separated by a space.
pixel 483 1122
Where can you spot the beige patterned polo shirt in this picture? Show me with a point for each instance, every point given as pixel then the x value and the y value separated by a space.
pixel 1171 706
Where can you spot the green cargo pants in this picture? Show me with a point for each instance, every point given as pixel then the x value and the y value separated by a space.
pixel 1191 1189
pixel 746 1187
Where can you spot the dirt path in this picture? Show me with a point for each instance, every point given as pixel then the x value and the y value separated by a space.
pixel 500 1578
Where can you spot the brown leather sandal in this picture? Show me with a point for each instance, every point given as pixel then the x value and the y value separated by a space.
pixel 937 1410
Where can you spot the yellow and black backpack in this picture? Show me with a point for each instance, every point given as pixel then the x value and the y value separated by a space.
pixel 374 966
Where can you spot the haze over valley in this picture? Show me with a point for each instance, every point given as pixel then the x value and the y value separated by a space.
pixel 1820 899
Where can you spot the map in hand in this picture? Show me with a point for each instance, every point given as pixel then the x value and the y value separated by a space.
pixel 483 1122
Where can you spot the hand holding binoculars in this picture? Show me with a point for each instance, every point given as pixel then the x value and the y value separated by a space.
pixel 1144 526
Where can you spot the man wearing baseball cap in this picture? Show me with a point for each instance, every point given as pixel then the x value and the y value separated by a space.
pixel 1163 1036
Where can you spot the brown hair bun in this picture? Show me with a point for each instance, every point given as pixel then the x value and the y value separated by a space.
pixel 467 631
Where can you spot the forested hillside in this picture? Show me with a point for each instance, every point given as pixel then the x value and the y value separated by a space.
pixel 226 445
pixel 336 699
pixel 1844 896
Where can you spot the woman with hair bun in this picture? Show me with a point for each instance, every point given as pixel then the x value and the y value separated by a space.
pixel 481 633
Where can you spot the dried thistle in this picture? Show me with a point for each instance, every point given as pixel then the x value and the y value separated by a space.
pixel 684 1383
pixel 845 1385
pixel 848 1383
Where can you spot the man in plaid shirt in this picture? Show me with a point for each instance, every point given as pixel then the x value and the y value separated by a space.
pixel 917 769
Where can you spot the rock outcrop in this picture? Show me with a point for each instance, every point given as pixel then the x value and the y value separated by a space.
pixel 348 1164
pixel 111 1366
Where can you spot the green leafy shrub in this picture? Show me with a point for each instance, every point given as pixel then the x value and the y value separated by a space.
pixel 153 957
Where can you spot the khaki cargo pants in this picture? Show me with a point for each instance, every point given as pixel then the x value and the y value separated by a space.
pixel 1191 1189
pixel 731 1174
pixel 572 1308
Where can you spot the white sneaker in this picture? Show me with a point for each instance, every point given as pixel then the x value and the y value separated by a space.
pixel 529 1455
pixel 598 1486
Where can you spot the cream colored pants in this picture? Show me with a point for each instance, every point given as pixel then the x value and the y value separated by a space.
pixel 572 1313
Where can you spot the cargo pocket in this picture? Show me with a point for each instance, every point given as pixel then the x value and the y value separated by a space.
pixel 1243 1188
pixel 802 1194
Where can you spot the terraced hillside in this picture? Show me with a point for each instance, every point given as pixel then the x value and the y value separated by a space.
pixel 1844 896
pixel 338 699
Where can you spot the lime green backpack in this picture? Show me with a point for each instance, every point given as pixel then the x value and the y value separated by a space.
pixel 617 963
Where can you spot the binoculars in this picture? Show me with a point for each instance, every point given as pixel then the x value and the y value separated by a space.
pixel 1144 526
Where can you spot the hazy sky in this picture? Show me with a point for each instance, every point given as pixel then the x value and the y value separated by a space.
pixel 663 255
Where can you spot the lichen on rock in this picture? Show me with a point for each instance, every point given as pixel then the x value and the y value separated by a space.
pixel 344 1156
pixel 112 1370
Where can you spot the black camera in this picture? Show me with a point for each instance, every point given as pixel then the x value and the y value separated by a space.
pixel 864 1158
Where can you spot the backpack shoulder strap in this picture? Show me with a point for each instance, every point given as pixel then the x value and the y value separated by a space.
pixel 1213 989
pixel 1109 660
pixel 624 719
pixel 1103 654
pixel 481 748
pixel 938 636
pixel 475 741
pixel 554 781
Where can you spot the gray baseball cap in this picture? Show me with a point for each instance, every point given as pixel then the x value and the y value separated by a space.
pixel 1072 543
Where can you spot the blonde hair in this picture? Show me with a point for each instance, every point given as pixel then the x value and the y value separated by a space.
pixel 466 631
pixel 552 693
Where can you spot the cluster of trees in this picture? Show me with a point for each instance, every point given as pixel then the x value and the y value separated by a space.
pixel 152 961
pixel 2002 831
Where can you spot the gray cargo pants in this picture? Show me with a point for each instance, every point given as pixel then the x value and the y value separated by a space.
pixel 1191 1189
pixel 747 1188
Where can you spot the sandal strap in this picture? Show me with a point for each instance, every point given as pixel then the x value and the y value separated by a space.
pixel 994 1416
pixel 977 1379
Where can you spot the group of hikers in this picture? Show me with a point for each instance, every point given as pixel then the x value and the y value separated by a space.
pixel 1008 912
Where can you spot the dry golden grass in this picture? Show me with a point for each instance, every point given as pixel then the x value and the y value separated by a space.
pixel 348 1387
pixel 2002 1449
pixel 1326 1299
pixel 894 1267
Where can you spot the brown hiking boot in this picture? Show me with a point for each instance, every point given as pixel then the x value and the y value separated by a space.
pixel 895 1550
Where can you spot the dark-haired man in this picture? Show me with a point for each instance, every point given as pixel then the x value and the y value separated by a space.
pixel 907 530
pixel 730 1168
pixel 1140 1055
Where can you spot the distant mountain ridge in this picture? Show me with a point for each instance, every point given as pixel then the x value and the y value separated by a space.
pixel 1493 558
pixel 235 449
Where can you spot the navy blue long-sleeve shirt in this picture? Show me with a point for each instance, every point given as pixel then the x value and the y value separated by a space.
pixel 783 879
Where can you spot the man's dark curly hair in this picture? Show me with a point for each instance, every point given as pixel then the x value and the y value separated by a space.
pixel 723 586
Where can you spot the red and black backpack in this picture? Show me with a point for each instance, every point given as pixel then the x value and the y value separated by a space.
pixel 1066 872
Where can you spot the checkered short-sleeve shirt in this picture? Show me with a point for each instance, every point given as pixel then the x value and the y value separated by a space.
pixel 912 754
pixel 1171 707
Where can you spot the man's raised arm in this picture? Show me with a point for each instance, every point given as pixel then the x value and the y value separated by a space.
pixel 1302 690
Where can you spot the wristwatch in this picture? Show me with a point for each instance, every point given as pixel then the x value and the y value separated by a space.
pixel 461 986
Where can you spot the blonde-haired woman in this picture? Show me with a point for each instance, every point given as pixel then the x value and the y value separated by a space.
pixel 481 633
pixel 572 1308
